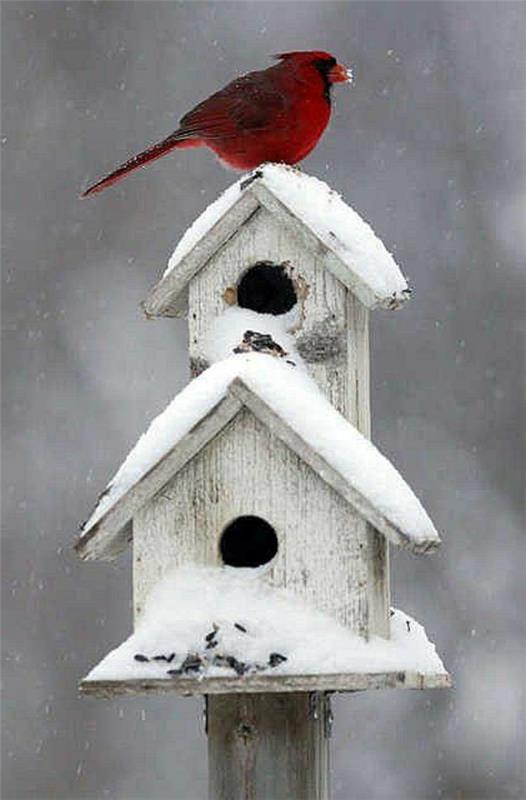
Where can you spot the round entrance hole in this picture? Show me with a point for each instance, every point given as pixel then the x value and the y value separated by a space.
pixel 248 542
pixel 267 289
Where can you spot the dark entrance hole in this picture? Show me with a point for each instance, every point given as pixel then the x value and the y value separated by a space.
pixel 267 289
pixel 248 542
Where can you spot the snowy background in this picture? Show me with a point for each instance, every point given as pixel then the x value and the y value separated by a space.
pixel 429 147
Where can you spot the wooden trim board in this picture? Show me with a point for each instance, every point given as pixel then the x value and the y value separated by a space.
pixel 344 682
pixel 111 533
pixel 326 472
pixel 104 540
pixel 169 296
pixel 341 271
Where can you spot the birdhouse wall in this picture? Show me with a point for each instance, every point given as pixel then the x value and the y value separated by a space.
pixel 332 336
pixel 332 332
pixel 324 548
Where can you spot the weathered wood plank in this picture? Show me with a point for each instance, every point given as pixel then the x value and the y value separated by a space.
pixel 362 505
pixel 100 540
pixel 268 746
pixel 246 470
pixel 168 297
pixel 332 262
pixel 323 307
pixel 342 682
pixel 378 592
pixel 358 376
pixel 358 371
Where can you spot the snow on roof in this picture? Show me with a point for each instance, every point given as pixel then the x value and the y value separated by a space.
pixel 251 627
pixel 339 227
pixel 294 397
pixel 352 249
pixel 204 223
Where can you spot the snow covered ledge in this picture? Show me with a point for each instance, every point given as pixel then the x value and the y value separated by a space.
pixel 220 630
pixel 346 244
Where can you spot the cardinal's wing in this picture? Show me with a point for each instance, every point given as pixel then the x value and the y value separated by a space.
pixel 247 104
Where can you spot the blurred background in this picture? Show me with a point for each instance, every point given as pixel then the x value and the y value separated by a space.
pixel 429 146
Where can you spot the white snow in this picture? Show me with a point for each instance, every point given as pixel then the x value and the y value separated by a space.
pixel 294 396
pixel 190 602
pixel 203 224
pixel 226 332
pixel 336 224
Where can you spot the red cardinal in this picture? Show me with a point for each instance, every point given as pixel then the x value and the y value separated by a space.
pixel 277 114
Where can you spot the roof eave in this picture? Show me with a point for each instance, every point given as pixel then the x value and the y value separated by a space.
pixel 169 296
pixel 341 271
pixel 363 506
pixel 112 532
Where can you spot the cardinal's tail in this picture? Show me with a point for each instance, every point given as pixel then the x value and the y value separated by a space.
pixel 177 139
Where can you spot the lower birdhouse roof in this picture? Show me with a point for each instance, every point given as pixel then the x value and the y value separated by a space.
pixel 285 399
pixel 221 629
pixel 310 209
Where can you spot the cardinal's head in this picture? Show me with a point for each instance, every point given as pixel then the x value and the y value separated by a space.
pixel 323 63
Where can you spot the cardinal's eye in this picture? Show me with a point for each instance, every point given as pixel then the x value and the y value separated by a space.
pixel 324 65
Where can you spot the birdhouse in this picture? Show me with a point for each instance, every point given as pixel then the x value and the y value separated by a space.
pixel 258 510
pixel 280 240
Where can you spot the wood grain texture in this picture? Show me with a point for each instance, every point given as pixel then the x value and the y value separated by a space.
pixel 248 470
pixel 358 373
pixel 169 297
pixel 378 589
pixel 341 682
pixel 263 237
pixel 329 474
pixel 378 584
pixel 268 747
pixel 332 263
pixel 102 540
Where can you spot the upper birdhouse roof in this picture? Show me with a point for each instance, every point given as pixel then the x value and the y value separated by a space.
pixel 346 244
pixel 287 401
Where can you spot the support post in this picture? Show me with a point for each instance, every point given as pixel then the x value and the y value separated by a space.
pixel 269 746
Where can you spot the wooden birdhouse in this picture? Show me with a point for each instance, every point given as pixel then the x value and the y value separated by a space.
pixel 258 510
pixel 276 240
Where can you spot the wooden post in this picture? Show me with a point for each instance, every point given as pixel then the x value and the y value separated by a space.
pixel 269 746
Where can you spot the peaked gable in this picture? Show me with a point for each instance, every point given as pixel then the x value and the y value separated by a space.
pixel 289 404
pixel 306 206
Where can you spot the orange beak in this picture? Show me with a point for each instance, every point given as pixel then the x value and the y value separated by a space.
pixel 340 74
